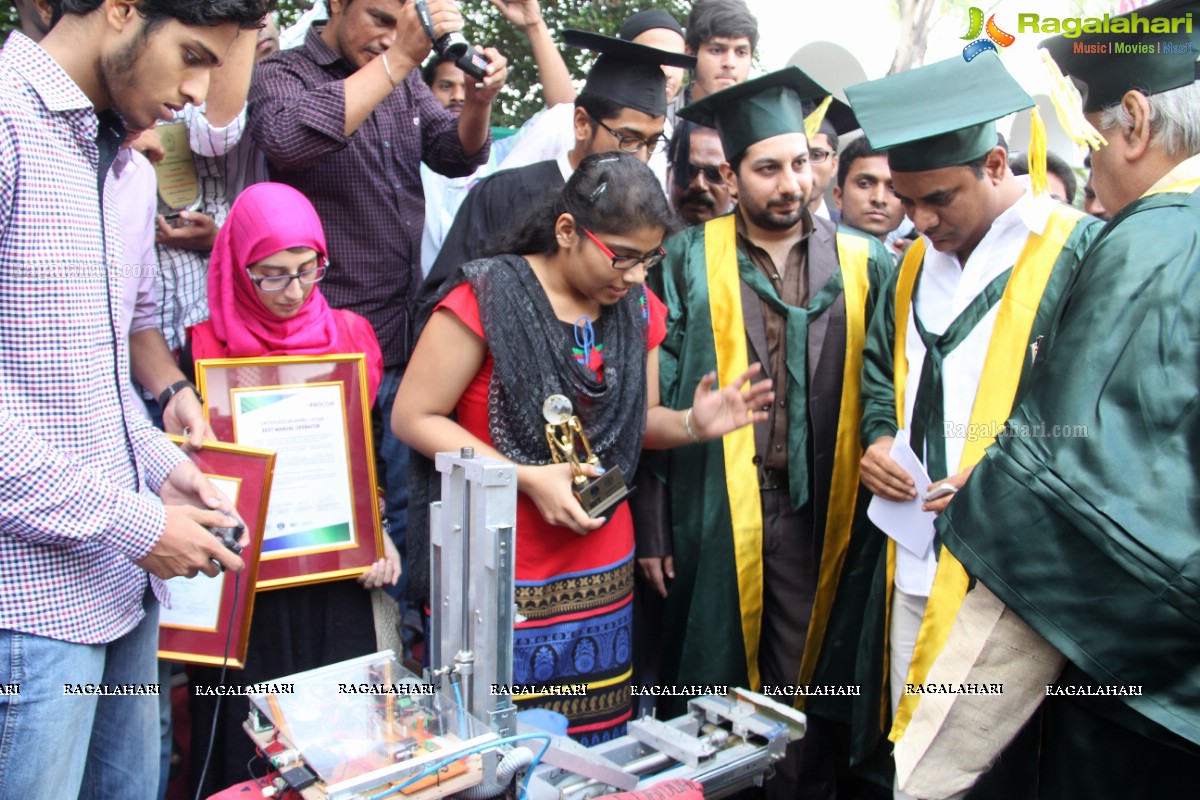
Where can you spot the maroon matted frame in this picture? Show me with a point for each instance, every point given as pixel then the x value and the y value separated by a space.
pixel 251 469
pixel 220 380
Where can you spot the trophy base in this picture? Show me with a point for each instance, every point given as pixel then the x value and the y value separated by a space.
pixel 598 495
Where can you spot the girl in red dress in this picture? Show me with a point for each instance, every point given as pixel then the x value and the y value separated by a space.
pixel 567 316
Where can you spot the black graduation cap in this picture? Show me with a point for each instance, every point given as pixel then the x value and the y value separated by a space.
pixel 939 115
pixel 773 104
pixel 648 20
pixel 1152 54
pixel 626 73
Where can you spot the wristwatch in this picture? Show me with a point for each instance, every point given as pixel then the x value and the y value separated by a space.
pixel 174 389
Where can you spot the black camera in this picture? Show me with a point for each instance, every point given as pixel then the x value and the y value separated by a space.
pixel 453 46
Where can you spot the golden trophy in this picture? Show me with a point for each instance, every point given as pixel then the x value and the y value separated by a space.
pixel 564 433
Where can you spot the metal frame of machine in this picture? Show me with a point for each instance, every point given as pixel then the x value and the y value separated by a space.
pixel 724 743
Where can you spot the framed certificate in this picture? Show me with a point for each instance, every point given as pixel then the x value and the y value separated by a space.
pixel 323 517
pixel 209 618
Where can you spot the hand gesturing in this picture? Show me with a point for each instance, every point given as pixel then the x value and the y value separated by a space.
pixel 715 414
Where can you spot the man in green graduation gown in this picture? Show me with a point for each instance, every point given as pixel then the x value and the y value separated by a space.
pixel 769 283
pixel 1081 526
pixel 945 357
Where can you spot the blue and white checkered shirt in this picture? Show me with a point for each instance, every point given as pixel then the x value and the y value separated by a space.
pixel 77 464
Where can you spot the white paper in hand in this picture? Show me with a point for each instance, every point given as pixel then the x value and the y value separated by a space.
pixel 905 522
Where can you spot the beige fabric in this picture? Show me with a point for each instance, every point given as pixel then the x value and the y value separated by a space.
pixel 953 739
pixel 907 612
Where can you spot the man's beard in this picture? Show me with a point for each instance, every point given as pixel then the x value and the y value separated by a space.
pixel 763 218
pixel 116 71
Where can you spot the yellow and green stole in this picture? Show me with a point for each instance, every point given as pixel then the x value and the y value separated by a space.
pixel 994 398
pixel 741 475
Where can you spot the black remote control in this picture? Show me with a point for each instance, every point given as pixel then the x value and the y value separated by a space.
pixel 229 535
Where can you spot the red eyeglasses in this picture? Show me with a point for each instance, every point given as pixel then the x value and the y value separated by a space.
pixel 626 262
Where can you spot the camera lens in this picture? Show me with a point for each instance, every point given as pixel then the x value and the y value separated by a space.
pixel 453 45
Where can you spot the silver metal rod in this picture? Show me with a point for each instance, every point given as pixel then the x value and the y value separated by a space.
pixel 645 764
pixel 639 766
pixel 467 638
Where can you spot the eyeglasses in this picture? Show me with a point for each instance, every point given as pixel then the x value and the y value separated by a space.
pixel 818 154
pixel 626 262
pixel 711 173
pixel 632 144
pixel 277 283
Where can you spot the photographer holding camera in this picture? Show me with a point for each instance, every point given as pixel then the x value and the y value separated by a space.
pixel 346 119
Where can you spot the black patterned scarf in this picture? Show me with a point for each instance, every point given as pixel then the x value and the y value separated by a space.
pixel 533 360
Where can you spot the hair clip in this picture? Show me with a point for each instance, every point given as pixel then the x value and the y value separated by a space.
pixel 598 191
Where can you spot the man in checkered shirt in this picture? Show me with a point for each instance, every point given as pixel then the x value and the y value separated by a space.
pixel 84 543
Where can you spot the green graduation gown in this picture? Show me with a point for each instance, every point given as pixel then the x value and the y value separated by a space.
pixel 856 650
pixel 1097 490
pixel 705 639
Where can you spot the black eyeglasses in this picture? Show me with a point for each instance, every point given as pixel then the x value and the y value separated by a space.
pixel 627 143
pixel 626 262
pixel 277 283
pixel 711 174
pixel 818 155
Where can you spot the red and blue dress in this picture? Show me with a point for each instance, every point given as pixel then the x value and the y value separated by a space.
pixel 575 592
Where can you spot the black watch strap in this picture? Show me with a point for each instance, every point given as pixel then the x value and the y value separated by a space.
pixel 174 389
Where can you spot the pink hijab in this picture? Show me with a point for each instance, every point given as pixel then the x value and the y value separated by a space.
pixel 267 218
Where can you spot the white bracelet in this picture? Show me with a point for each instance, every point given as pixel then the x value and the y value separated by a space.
pixel 687 426
pixel 387 69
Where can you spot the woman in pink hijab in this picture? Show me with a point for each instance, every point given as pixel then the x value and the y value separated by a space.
pixel 264 300
pixel 263 296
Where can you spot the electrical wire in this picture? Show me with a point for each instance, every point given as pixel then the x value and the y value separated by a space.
pixel 536 760
pixel 212 736
pixel 260 756
pixel 462 714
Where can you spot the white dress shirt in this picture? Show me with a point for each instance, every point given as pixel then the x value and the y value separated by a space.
pixel 945 288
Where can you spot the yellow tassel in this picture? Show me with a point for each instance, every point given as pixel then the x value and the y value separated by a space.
pixel 1037 152
pixel 1068 106
pixel 812 123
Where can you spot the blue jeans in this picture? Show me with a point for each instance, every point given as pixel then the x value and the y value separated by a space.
pixel 57 745
pixel 393 477
pixel 165 726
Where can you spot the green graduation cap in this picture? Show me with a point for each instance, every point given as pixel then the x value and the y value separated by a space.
pixel 1144 50
pixel 940 115
pixel 773 104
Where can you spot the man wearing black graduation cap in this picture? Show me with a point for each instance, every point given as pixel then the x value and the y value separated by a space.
pixel 1083 546
pixel 749 514
pixel 551 132
pixel 622 107
pixel 944 360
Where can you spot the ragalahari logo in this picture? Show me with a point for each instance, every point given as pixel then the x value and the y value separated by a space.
pixel 995 36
